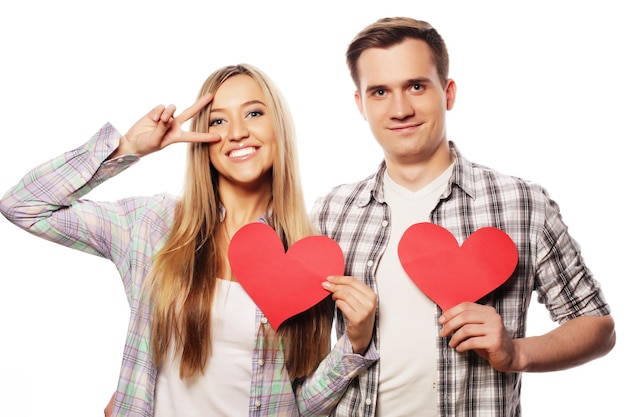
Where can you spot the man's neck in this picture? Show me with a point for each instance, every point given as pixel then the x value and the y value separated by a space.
pixel 414 175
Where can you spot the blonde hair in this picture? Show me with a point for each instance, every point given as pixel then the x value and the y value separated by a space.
pixel 184 272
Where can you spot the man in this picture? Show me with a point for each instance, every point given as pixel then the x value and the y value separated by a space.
pixel 467 360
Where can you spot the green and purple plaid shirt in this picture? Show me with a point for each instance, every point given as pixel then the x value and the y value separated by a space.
pixel 48 202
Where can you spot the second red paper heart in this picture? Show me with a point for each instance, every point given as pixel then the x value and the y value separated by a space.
pixel 450 274
pixel 283 284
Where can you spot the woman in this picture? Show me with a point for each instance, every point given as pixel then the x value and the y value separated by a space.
pixel 197 344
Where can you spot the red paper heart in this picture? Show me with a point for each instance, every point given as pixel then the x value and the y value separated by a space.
pixel 450 274
pixel 283 284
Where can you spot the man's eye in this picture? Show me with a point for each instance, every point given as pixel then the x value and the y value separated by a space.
pixel 417 87
pixel 379 93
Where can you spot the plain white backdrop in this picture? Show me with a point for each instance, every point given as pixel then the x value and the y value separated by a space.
pixel 540 95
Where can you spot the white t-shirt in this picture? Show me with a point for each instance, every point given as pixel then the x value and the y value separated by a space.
pixel 224 388
pixel 408 318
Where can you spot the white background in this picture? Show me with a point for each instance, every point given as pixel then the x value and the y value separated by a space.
pixel 540 95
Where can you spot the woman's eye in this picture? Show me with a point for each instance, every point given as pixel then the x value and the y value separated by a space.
pixel 255 113
pixel 216 122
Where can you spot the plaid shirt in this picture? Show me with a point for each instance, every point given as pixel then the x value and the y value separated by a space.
pixel 550 262
pixel 48 203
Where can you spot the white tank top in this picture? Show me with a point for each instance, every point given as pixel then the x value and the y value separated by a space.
pixel 224 388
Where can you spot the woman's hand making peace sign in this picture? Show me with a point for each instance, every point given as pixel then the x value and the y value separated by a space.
pixel 159 128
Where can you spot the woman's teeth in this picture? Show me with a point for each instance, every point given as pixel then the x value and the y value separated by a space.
pixel 238 153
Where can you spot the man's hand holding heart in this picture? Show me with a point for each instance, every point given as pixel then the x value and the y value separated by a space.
pixel 477 327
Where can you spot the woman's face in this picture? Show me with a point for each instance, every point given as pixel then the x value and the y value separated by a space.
pixel 240 115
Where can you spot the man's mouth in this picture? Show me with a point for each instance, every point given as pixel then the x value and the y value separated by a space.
pixel 405 127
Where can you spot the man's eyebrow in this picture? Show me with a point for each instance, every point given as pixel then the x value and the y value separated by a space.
pixel 419 80
pixel 375 88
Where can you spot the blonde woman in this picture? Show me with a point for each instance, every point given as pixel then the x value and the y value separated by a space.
pixel 197 344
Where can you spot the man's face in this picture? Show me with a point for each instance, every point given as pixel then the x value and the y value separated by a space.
pixel 401 97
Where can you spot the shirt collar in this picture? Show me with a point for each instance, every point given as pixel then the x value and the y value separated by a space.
pixel 462 176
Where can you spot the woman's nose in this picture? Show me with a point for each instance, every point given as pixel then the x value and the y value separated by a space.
pixel 237 130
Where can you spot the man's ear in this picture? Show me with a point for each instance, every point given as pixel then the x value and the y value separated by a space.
pixel 359 104
pixel 450 94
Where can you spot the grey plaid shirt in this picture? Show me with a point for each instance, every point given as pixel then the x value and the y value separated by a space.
pixel 550 262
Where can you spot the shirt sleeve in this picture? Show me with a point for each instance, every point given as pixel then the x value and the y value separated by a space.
pixel 320 393
pixel 47 201
pixel 563 281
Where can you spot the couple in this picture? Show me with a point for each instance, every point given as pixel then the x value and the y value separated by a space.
pixel 198 345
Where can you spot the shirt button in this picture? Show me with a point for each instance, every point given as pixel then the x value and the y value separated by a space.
pixel 261 362
pixel 370 263
pixel 121 159
pixel 368 401
pixel 257 403
pixel 385 223
pixel 264 320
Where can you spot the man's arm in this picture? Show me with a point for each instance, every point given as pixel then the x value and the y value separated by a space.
pixel 573 343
